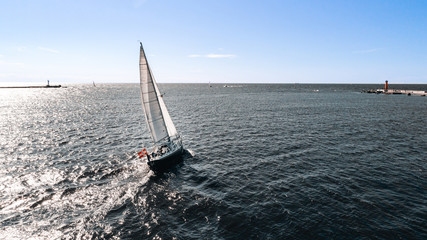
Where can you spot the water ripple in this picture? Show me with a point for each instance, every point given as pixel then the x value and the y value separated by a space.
pixel 262 162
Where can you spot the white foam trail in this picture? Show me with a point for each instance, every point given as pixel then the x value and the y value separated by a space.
pixel 191 152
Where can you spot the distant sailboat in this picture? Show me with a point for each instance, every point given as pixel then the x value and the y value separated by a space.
pixel 167 144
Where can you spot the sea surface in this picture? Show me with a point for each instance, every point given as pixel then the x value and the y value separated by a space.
pixel 279 161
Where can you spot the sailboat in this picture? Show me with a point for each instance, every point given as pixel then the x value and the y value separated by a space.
pixel 167 143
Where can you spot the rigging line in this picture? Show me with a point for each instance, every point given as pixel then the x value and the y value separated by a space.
pixel 161 140
pixel 154 120
pixel 149 92
pixel 157 92
pixel 150 101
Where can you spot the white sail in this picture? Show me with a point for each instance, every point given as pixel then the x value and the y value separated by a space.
pixel 158 120
pixel 166 117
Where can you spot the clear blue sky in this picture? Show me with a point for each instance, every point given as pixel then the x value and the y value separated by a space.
pixel 221 41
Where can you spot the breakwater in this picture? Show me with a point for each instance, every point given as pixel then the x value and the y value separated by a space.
pixel 397 91
pixel 47 86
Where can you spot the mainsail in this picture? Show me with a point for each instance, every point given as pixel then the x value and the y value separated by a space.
pixel 158 119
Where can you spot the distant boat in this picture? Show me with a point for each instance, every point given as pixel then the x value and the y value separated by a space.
pixel 167 144
pixel 94 84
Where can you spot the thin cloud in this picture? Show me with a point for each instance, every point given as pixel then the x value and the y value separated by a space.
pixel 368 50
pixel 212 56
pixel 48 50
pixel 220 56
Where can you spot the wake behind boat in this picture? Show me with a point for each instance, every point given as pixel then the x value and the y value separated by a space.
pixel 167 144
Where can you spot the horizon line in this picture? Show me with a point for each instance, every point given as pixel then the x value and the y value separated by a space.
pixel 202 83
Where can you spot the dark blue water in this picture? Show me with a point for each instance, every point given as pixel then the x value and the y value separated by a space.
pixel 293 161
